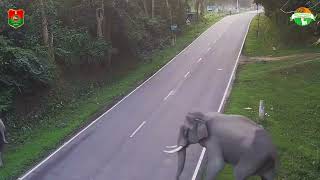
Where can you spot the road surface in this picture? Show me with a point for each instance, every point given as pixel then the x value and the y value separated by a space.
pixel 127 142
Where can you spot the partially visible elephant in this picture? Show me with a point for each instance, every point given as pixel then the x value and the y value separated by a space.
pixel 2 140
pixel 231 139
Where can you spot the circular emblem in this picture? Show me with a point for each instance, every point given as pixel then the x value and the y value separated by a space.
pixel 303 16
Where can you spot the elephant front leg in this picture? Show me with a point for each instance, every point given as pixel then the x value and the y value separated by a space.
pixel 215 163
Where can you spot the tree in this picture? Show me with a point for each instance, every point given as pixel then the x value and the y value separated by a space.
pixel 145 7
pixel 45 31
pixel 100 20
pixel 152 9
pixel 199 5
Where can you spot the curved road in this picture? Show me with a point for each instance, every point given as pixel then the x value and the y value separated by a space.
pixel 127 142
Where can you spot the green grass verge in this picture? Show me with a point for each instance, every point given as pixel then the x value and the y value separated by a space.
pixel 269 37
pixel 52 130
pixel 290 89
pixel 292 96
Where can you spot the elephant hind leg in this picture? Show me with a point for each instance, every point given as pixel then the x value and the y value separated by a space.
pixel 269 175
pixel 245 168
pixel 241 173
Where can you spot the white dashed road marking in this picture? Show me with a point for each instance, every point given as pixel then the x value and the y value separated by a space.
pixel 170 94
pixel 135 132
pixel 187 74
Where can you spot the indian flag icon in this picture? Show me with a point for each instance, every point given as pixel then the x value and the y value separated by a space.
pixel 303 16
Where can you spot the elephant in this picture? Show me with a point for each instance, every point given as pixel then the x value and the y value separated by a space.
pixel 2 140
pixel 231 139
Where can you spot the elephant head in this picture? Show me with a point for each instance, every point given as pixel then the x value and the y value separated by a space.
pixel 193 131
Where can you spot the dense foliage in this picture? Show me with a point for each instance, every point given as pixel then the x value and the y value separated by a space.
pixel 280 12
pixel 77 33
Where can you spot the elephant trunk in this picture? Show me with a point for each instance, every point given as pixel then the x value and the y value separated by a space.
pixel 181 161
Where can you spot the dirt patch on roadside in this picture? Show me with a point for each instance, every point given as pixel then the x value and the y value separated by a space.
pixel 303 57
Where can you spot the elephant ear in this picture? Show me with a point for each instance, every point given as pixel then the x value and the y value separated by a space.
pixel 202 130
pixel 197 118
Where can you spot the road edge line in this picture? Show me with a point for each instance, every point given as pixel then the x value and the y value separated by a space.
pixel 195 174
pixel 27 173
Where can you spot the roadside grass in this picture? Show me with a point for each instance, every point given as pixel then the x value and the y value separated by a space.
pixel 269 37
pixel 292 96
pixel 30 145
pixel 291 91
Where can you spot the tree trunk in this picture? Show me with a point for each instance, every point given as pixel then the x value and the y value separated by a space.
pixel 258 26
pixel 100 19
pixel 197 7
pixel 201 7
pixel 45 31
pixel 152 8
pixel 170 12
pixel 51 50
pixel 108 24
pixel 145 6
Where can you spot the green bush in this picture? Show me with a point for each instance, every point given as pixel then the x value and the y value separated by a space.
pixel 21 68
pixel 20 71
pixel 5 99
pixel 76 46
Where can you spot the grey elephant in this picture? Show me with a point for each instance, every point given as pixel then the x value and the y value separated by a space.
pixel 231 139
pixel 2 140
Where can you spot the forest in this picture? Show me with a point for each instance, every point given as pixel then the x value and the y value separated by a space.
pixel 66 48
pixel 76 41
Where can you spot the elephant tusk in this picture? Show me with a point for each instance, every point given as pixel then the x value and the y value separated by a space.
pixel 172 146
pixel 174 150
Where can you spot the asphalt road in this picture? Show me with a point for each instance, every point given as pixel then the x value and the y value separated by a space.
pixel 127 142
